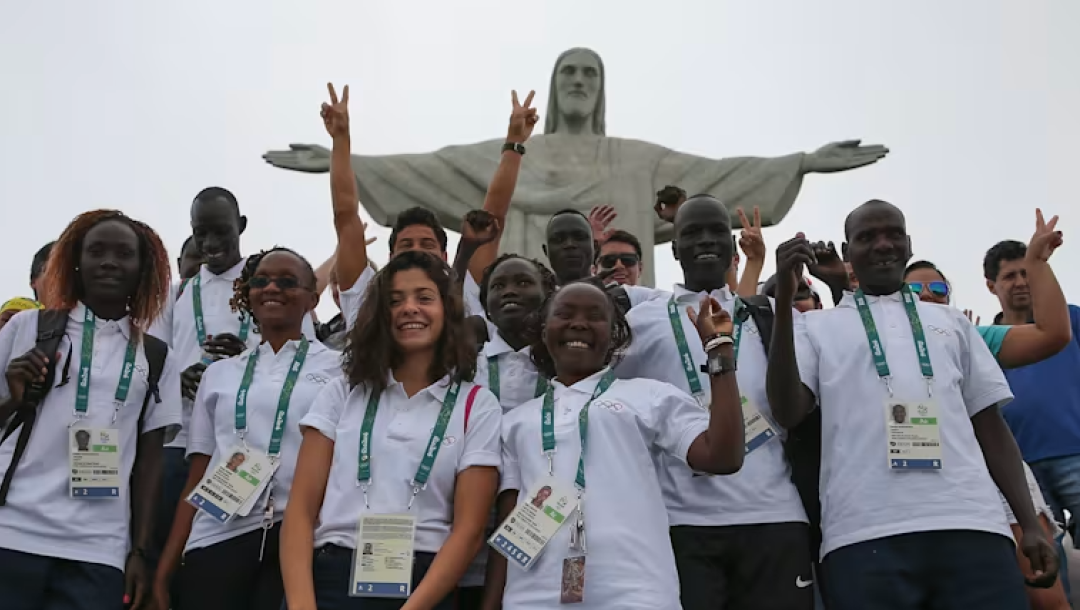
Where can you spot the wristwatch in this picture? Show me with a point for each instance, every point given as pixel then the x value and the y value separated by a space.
pixel 514 146
pixel 718 365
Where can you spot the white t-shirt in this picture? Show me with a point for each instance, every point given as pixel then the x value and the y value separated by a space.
pixel 399 439
pixel 216 291
pixel 762 491
pixel 630 563
pixel 41 517
pixel 517 374
pixel 213 423
pixel 353 297
pixel 861 499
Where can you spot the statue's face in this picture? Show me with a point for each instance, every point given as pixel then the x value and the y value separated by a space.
pixel 578 84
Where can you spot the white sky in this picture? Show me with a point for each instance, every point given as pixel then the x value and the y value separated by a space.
pixel 138 105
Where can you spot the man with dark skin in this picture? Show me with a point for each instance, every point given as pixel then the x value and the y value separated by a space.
pixel 189 261
pixel 570 247
pixel 878 248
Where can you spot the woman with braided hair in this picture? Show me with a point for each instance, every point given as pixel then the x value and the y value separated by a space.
pixel 244 428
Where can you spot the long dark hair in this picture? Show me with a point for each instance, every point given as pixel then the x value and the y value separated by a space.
pixel 371 353
pixel 541 357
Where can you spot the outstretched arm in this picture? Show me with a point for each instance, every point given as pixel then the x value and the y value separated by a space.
pixel 352 258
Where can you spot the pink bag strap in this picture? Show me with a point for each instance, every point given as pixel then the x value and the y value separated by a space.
pixel 468 405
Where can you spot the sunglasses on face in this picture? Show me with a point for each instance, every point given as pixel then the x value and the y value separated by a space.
pixel 938 289
pixel 283 283
pixel 608 261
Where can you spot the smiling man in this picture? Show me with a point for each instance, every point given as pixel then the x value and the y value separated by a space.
pixel 621 252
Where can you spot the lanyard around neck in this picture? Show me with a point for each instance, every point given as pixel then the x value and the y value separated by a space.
pixel 685 357
pixel 434 444
pixel 495 385
pixel 86 362
pixel 877 348
pixel 547 425
pixel 200 320
pixel 278 430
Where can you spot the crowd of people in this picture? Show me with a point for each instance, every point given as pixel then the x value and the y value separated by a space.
pixel 490 431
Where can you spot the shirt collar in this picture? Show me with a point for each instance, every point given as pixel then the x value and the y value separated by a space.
pixel 290 347
pixel 497 346
pixel 78 314
pixel 682 295
pixel 587 385
pixel 229 275
pixel 437 390
pixel 849 299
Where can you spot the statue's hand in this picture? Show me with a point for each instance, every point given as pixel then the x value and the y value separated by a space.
pixel 523 118
pixel 335 115
pixel 310 158
pixel 842 156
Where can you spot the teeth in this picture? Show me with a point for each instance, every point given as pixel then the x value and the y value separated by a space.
pixel 412 326
pixel 707 257
pixel 576 345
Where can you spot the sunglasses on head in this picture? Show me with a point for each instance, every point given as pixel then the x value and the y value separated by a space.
pixel 608 261
pixel 284 283
pixel 938 289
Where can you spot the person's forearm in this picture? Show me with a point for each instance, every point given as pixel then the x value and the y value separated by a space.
pixel 344 193
pixel 751 275
pixel 1048 303
pixel 146 487
pixel 183 517
pixel 495 578
pixel 447 569
pixel 351 257
pixel 501 189
pixel 788 397
pixel 1004 462
pixel 322 274
pixel 726 437
pixel 465 253
pixel 296 555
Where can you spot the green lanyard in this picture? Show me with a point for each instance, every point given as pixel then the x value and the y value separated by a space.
pixel 86 360
pixel 200 322
pixel 877 348
pixel 434 444
pixel 278 430
pixel 547 425
pixel 494 384
pixel 685 357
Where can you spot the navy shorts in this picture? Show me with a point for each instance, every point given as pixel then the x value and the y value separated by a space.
pixel 36 582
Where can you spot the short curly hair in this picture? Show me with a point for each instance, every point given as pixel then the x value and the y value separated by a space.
pixel 547 276
pixel 241 301
pixel 621 335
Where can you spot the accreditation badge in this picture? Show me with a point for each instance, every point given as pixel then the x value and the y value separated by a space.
pixel 913 434
pixel 383 558
pixel 94 463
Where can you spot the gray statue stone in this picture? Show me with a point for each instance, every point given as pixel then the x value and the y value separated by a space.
pixel 575 164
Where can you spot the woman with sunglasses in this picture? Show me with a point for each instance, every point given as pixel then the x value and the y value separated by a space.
pixel 243 444
pixel 1016 346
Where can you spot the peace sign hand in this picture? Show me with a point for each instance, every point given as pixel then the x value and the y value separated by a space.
pixel 750 240
pixel 335 115
pixel 1046 238
pixel 522 119
pixel 712 319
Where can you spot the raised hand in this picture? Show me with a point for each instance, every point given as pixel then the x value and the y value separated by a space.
pixel 974 319
pixel 600 218
pixel 842 156
pixel 712 319
pixel 307 158
pixel 750 239
pixel 792 257
pixel 479 228
pixel 335 115
pixel 829 267
pixel 522 119
pixel 1046 238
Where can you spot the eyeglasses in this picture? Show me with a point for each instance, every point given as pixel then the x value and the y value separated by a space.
pixel 608 261
pixel 938 289
pixel 283 283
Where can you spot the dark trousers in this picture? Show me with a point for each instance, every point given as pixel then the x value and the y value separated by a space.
pixel 332 575
pixel 34 582
pixel 230 576
pixel 469 598
pixel 174 473
pixel 744 567
pixel 945 570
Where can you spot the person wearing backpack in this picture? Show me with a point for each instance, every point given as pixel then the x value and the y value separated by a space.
pixel 75 524
pixel 741 542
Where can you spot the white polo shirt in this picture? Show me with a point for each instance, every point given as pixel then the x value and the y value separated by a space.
pixel 861 499
pixel 352 298
pixel 400 437
pixel 213 423
pixel 762 491
pixel 41 517
pixel 630 562
pixel 517 374
pixel 216 292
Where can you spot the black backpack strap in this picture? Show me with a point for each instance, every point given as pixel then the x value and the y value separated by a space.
pixel 760 309
pixel 156 351
pixel 51 326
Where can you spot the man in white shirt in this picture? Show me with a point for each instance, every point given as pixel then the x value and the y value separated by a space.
pixel 741 541
pixel 910 515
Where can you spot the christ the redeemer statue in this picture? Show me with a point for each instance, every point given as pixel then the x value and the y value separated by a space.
pixel 575 164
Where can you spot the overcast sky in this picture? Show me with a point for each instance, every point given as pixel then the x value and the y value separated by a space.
pixel 139 105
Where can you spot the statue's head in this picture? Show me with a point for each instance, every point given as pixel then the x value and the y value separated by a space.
pixel 577 90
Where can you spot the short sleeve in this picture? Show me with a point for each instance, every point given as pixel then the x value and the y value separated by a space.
pixel 994 337
pixel 510 472
pixel 983 384
pixel 202 437
pixel 806 354
pixel 352 298
pixel 168 413
pixel 471 296
pixel 677 419
pixel 325 412
pixel 640 294
pixel 483 432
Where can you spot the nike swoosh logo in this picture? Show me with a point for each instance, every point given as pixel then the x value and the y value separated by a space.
pixel 802 584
